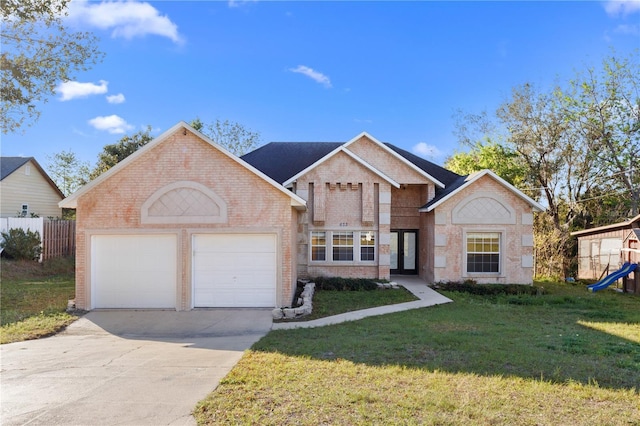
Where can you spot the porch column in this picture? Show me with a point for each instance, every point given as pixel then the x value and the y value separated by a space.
pixel 384 230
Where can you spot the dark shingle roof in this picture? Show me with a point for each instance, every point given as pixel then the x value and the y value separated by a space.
pixel 443 175
pixel 9 165
pixel 451 180
pixel 283 160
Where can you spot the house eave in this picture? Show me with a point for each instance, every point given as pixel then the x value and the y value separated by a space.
pixel 614 226
pixel 356 158
pixel 397 156
pixel 535 206
pixel 72 200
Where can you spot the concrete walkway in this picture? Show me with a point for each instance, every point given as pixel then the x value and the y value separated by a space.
pixel 427 296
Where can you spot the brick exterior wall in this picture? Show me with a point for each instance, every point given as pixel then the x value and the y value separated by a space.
pixel 516 231
pixel 114 205
pixel 345 192
pixel 342 195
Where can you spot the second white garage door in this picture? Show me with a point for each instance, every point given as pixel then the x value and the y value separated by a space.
pixel 234 270
pixel 133 271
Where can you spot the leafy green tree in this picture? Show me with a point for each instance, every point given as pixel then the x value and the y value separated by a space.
pixel 112 154
pixel 487 154
pixel 38 52
pixel 67 171
pixel 233 136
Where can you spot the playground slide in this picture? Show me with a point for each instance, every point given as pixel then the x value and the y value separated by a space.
pixel 626 269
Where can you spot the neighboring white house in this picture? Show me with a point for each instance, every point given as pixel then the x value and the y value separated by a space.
pixel 26 189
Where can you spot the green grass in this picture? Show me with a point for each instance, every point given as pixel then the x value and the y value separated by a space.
pixel 333 302
pixel 565 357
pixel 33 298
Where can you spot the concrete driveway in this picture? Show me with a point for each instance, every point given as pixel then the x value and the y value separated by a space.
pixel 125 367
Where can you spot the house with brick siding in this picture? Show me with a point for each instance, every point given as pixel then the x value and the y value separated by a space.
pixel 183 223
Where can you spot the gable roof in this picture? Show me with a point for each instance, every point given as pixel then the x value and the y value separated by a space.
pixel 8 165
pixel 629 223
pixel 465 181
pixel 284 162
pixel 395 154
pixel 353 156
pixel 72 200
pixel 447 177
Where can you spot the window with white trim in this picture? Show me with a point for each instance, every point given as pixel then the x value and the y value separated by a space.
pixel 483 252
pixel 318 246
pixel 25 210
pixel 342 246
pixel 367 246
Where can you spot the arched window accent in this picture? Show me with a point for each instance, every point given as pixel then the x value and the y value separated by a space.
pixel 184 202
pixel 483 208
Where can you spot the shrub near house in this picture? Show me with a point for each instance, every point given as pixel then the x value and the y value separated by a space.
pixel 20 244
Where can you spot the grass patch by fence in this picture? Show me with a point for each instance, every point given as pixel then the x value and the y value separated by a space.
pixel 33 298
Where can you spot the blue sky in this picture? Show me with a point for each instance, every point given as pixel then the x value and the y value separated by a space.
pixel 317 71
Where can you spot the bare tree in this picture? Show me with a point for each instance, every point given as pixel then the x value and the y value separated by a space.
pixel 233 136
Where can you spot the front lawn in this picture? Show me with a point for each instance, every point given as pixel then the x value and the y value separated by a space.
pixel 565 357
pixel 33 298
pixel 334 302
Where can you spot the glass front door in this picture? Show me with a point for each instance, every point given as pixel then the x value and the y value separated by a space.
pixel 404 249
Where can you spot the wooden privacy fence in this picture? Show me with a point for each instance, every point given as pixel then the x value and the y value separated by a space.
pixel 58 238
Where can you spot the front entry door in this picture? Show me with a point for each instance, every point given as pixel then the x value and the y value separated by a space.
pixel 404 250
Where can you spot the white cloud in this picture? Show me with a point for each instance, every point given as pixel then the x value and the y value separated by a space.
pixel 116 99
pixel 126 19
pixel 74 89
pixel 312 74
pixel 112 124
pixel 628 29
pixel 238 3
pixel 423 149
pixel 621 7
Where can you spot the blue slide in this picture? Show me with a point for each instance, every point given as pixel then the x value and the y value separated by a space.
pixel 626 269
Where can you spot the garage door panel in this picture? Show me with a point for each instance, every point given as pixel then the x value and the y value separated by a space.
pixel 235 297
pixel 235 243
pixel 134 271
pixel 234 270
pixel 231 261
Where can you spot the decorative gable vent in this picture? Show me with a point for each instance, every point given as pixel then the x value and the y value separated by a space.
pixel 184 202
pixel 483 209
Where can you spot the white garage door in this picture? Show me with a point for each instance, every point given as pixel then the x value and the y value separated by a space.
pixel 234 270
pixel 133 271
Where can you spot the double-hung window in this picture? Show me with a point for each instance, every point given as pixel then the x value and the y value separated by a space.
pixel 367 246
pixel 483 252
pixel 342 244
pixel 318 246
